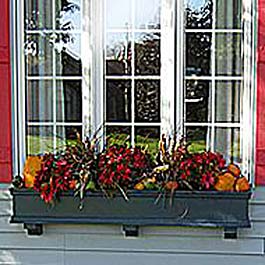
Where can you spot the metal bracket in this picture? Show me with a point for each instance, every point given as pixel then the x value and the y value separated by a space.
pixel 131 230
pixel 34 229
pixel 230 233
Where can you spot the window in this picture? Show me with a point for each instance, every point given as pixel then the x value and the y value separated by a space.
pixel 138 67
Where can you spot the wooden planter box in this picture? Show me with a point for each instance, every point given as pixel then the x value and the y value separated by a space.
pixel 203 209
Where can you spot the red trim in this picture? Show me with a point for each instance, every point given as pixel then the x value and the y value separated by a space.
pixel 5 95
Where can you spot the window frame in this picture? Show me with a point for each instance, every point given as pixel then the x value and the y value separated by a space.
pixel 18 80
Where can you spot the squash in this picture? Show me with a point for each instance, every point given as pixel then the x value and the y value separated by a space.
pixel 31 168
pixel 242 184
pixel 225 182
pixel 234 169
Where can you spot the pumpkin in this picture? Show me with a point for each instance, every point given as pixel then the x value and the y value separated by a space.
pixel 139 186
pixel 171 185
pixel 225 182
pixel 242 184
pixel 31 168
pixel 234 169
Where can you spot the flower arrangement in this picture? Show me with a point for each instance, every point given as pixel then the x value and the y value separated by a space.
pixel 119 168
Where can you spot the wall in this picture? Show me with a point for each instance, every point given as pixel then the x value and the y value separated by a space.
pixel 98 244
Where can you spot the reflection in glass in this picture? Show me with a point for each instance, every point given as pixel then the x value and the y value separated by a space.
pixel 147 101
pixel 198 54
pixel 38 14
pixel 118 135
pixel 198 101
pixel 199 14
pixel 228 101
pixel 118 97
pixel 228 54
pixel 39 101
pixel 147 14
pixel 199 138
pixel 67 135
pixel 147 54
pixel 118 54
pixel 227 142
pixel 38 52
pixel 119 14
pixel 229 14
pixel 68 15
pixel 69 101
pixel 39 139
pixel 148 137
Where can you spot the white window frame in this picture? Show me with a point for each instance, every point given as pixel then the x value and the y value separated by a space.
pixel 18 77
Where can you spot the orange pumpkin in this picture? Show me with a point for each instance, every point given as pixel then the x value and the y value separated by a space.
pixel 225 182
pixel 31 167
pixel 234 169
pixel 242 184
pixel 139 186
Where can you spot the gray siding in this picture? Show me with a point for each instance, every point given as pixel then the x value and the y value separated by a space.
pixel 99 244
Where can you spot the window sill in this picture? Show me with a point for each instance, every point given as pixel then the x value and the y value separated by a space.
pixel 199 208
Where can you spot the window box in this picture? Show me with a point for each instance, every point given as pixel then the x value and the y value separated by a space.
pixel 202 209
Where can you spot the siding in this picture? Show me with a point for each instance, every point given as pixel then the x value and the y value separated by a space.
pixel 99 244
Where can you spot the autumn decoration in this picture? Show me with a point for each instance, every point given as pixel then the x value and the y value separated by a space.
pixel 81 169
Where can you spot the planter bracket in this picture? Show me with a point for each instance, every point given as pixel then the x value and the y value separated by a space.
pixel 230 233
pixel 34 229
pixel 131 230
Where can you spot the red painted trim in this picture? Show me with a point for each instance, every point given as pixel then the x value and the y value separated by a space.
pixel 5 95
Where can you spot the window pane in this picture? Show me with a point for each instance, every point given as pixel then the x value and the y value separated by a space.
pixel 198 54
pixel 147 14
pixel 199 14
pixel 67 135
pixel 198 101
pixel 38 14
pixel 147 54
pixel 118 97
pixel 228 14
pixel 199 138
pixel 69 101
pixel 118 135
pixel 228 54
pixel 39 139
pixel 118 54
pixel 148 137
pixel 38 52
pixel 147 101
pixel 68 15
pixel 119 14
pixel 227 142
pixel 228 101
pixel 68 54
pixel 39 101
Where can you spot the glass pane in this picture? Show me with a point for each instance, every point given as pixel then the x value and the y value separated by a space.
pixel 69 101
pixel 198 54
pixel 199 14
pixel 228 101
pixel 199 138
pixel 227 142
pixel 147 14
pixel 68 15
pixel 228 54
pixel 38 52
pixel 39 139
pixel 38 14
pixel 148 137
pixel 66 135
pixel 118 97
pixel 118 135
pixel 39 101
pixel 147 100
pixel 118 54
pixel 228 14
pixel 119 14
pixel 147 54
pixel 198 101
